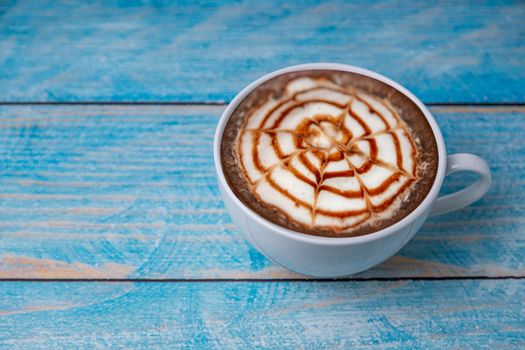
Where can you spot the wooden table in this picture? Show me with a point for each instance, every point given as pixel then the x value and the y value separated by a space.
pixel 112 231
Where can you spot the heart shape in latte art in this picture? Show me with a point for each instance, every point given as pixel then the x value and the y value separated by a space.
pixel 327 156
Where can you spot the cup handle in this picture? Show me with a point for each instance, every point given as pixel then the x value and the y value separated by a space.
pixel 462 198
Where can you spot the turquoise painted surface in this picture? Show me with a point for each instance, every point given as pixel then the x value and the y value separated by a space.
pixel 208 50
pixel 269 315
pixel 130 192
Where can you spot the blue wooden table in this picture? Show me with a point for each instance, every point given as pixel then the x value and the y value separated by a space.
pixel 112 231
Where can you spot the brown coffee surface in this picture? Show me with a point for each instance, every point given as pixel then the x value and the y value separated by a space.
pixel 416 124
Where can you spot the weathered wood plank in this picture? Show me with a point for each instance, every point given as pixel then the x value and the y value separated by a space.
pixel 283 315
pixel 207 51
pixel 130 192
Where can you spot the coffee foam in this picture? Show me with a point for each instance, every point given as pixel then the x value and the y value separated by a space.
pixel 328 157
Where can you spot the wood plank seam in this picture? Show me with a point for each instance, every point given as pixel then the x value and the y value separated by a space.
pixel 224 103
pixel 262 280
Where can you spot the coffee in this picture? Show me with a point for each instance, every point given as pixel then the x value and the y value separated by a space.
pixel 329 153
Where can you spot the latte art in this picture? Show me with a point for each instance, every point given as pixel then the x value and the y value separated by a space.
pixel 326 156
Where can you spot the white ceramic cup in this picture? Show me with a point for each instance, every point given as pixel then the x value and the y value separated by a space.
pixel 334 257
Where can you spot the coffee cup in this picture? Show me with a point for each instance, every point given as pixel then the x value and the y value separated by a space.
pixel 329 257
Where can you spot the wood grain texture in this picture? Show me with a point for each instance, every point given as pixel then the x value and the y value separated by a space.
pixel 269 315
pixel 208 50
pixel 130 192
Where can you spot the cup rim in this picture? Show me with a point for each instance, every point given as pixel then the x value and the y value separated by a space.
pixel 421 209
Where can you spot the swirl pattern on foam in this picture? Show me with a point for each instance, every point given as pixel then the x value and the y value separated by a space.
pixel 327 156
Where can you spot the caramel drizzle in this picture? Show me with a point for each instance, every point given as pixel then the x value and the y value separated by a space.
pixel 345 149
